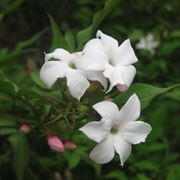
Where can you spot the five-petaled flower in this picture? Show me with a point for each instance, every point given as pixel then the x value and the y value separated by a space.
pixel 66 65
pixel 149 43
pixel 117 130
pixel 113 60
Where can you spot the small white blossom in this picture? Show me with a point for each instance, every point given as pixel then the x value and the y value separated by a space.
pixel 65 64
pixel 116 131
pixel 115 61
pixel 149 43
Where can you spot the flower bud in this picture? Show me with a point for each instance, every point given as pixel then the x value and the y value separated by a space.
pixel 69 145
pixel 55 143
pixel 25 128
pixel 122 87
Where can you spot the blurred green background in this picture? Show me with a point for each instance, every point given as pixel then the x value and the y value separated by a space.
pixel 30 28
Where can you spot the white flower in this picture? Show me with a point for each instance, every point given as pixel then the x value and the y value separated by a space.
pixel 65 64
pixel 115 61
pixel 148 43
pixel 116 131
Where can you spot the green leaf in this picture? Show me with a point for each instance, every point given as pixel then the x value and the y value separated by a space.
pixel 20 149
pixel 8 87
pixel 36 78
pixel 172 157
pixel 145 93
pixel 136 34
pixel 2 77
pixel 73 159
pixel 20 49
pixel 83 36
pixel 29 94
pixel 101 15
pixel 10 8
pixel 155 147
pixel 174 172
pixel 3 53
pixel 142 177
pixel 7 122
pixel 117 174
pixel 58 40
pixel 146 165
pixel 7 130
pixel 70 40
pixel 175 94
pixel 23 44
pixel 176 34
pixel 169 47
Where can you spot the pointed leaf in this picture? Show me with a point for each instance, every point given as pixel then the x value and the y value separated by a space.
pixel 57 39
pixel 145 93
pixel 69 37
pixel 7 122
pixel 8 87
pixel 20 153
pixel 83 36
pixel 101 15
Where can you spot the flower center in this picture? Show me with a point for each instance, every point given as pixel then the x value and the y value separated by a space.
pixel 114 129
pixel 110 62
pixel 72 65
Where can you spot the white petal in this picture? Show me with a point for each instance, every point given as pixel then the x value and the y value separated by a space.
pixel 130 111
pixel 135 132
pixel 96 131
pixel 97 76
pixel 59 54
pixel 92 62
pixel 123 75
pixel 93 57
pixel 94 46
pixel 52 70
pixel 124 55
pixel 103 152
pixel 76 82
pixel 141 44
pixel 110 44
pixel 107 109
pixel 150 37
pixel 77 54
pixel 122 147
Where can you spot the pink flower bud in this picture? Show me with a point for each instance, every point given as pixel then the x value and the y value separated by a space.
pixel 25 128
pixel 69 145
pixel 55 143
pixel 122 87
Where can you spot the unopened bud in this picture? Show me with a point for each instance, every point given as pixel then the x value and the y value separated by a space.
pixel 25 128
pixel 69 145
pixel 55 143
pixel 122 87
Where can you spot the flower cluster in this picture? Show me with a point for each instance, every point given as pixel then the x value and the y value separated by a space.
pixel 102 60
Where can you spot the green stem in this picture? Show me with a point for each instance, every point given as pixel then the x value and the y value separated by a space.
pixel 54 120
